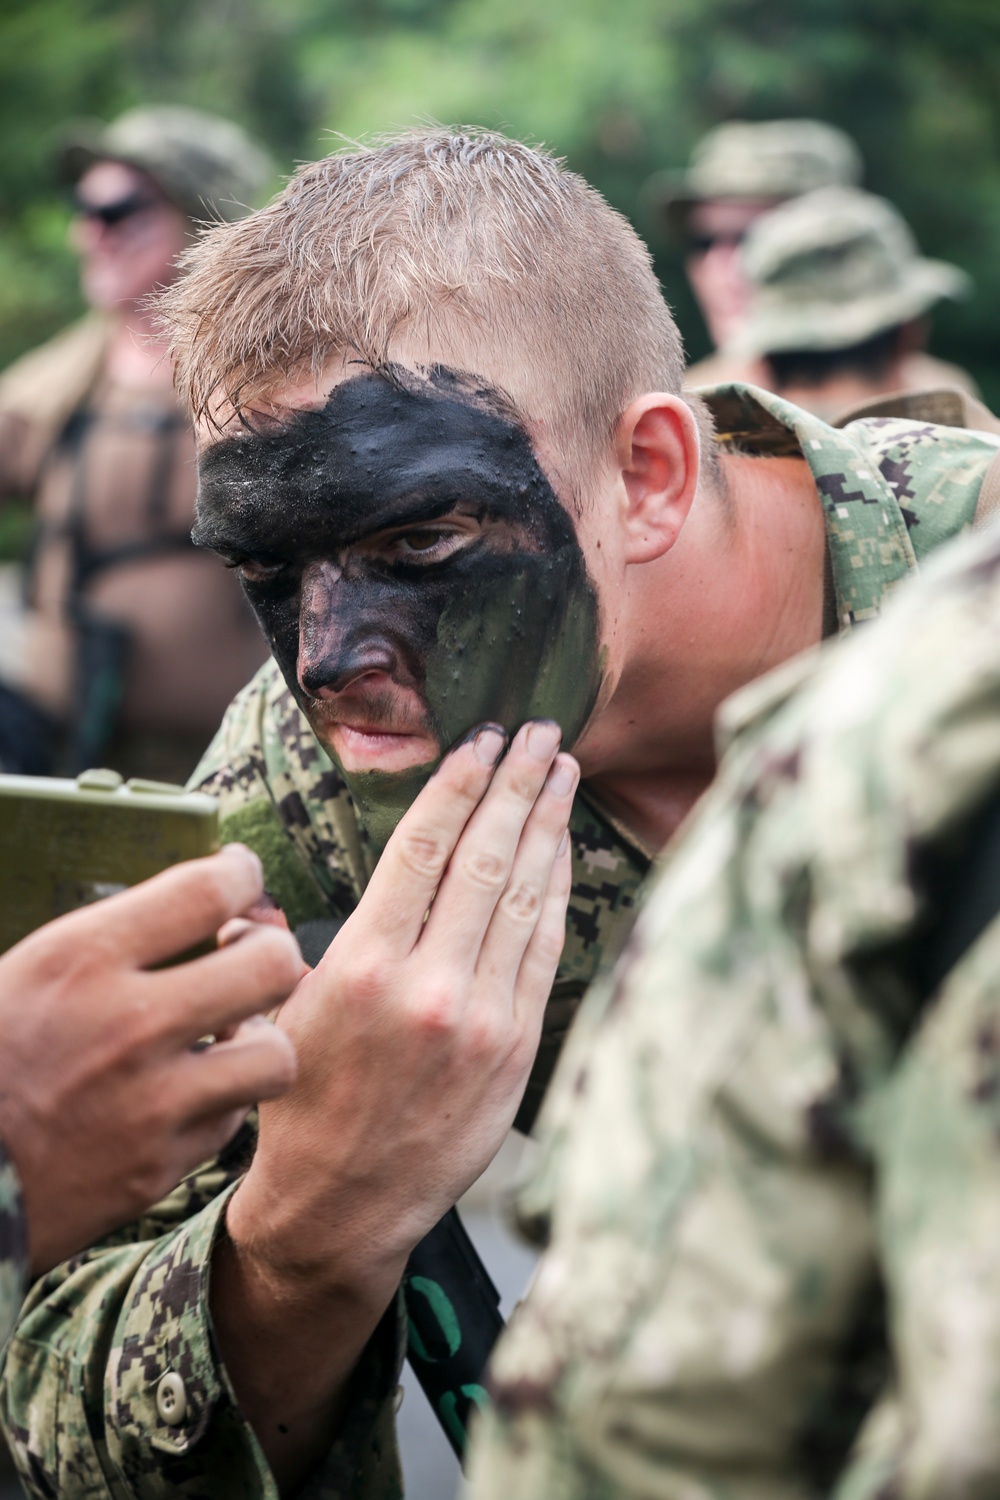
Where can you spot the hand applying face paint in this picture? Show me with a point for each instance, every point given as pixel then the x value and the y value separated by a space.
pixel 414 572
pixel 416 1034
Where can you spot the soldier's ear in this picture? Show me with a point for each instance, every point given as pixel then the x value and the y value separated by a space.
pixel 656 443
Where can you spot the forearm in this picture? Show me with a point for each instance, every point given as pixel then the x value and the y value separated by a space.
pixel 83 1371
pixel 291 1338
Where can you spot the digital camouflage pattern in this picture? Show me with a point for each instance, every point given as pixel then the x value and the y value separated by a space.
pixel 892 490
pixel 13 1245
pixel 770 1165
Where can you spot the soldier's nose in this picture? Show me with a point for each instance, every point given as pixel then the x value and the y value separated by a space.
pixel 337 667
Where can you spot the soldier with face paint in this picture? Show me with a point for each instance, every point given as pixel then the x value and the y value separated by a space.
pixel 413 571
pixel 443 442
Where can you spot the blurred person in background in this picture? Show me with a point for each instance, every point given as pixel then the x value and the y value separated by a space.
pixel 120 605
pixel 840 297
pixel 741 172
pixel 738 172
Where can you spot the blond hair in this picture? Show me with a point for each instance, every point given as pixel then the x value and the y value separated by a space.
pixel 450 240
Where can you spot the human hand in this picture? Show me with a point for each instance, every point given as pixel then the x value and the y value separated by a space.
pixel 415 1037
pixel 104 1105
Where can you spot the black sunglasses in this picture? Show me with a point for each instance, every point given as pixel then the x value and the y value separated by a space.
pixel 701 244
pixel 117 211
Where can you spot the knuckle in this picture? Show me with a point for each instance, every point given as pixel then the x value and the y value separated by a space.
pixel 151 1175
pixel 207 887
pixel 486 1038
pixel 367 979
pixel 486 868
pixel 138 1027
pixel 437 1009
pixel 277 961
pixel 526 782
pixel 522 902
pixel 424 853
pixel 549 944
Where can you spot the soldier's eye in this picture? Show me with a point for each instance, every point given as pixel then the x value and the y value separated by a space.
pixel 419 541
pixel 255 570
pixel 429 543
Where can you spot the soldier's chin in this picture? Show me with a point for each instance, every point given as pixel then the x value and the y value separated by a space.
pixel 360 748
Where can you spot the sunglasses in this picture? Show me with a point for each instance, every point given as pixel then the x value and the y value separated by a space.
pixel 117 211
pixel 701 244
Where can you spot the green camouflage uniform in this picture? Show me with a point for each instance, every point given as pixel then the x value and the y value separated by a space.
pixel 80 1396
pixel 770 1165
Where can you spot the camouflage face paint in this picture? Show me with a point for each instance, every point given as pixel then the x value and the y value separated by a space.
pixel 406 531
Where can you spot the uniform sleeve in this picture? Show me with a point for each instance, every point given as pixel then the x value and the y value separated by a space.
pixel 13 1245
pixel 708 1301
pixel 937 1160
pixel 773 1174
pixel 113 1385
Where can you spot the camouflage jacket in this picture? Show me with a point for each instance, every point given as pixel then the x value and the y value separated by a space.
pixel 97 1335
pixel 771 1153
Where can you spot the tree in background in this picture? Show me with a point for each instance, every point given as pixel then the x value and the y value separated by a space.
pixel 621 89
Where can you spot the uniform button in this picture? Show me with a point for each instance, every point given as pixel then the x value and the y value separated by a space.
pixel 171 1399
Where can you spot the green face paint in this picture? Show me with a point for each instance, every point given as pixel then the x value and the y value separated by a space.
pixel 376 607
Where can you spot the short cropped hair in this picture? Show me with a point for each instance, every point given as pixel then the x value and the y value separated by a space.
pixel 466 238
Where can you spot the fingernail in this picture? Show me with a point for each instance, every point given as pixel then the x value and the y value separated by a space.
pixel 488 744
pixel 543 739
pixel 562 778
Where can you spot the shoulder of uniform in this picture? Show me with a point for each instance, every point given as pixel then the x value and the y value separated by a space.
pixel 45 384
pixel 232 767
pixel 751 707
pixel 936 471
pixel 277 787
pixel 944 406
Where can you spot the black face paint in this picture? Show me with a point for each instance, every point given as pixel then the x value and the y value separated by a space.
pixel 504 627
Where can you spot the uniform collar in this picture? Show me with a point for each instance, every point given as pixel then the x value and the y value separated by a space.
pixel 869 545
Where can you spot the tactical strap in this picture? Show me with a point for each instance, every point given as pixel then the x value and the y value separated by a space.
pixel 453 1316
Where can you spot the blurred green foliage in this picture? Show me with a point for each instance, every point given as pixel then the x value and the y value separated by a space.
pixel 619 87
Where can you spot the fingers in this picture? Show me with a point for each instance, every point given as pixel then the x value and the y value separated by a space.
pixel 477 878
pixel 258 1062
pixel 407 876
pixel 525 902
pixel 544 949
pixel 209 994
pixel 177 909
pixel 239 927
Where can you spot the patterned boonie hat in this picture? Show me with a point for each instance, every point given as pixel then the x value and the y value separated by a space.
pixel 775 159
pixel 207 166
pixel 834 268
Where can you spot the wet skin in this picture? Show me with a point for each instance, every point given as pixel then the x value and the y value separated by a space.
pixel 413 571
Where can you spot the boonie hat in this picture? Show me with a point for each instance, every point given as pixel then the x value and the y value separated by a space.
pixel 834 268
pixel 757 159
pixel 207 166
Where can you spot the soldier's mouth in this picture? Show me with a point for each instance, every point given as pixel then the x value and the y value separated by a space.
pixel 360 746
